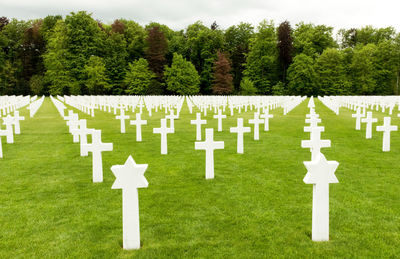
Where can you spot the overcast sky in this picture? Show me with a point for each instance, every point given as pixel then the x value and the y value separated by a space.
pixel 177 14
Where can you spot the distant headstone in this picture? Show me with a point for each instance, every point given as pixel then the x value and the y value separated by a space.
pixel 172 117
pixel 219 116
pixel 17 118
pixel 369 120
pixel 122 117
pixel 358 115
pixel 164 130
pixel 138 123
pixel 96 147
pixel 130 177
pixel 256 121
pixel 198 122
pixel 240 130
pixel 266 116
pixel 8 121
pixel 386 128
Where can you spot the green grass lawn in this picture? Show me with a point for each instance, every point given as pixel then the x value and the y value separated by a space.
pixel 257 205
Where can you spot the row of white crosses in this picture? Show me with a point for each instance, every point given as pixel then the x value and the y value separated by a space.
pixel 12 126
pixel 320 173
pixel 386 128
pixel 129 176
pixel 78 129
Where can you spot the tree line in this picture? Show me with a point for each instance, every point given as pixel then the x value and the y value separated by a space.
pixel 80 55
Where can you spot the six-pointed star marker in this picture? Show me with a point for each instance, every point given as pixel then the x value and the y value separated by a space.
pixel 130 175
pixel 321 171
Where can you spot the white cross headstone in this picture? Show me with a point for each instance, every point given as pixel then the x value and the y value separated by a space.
pixel 311 104
pixel 209 145
pixel 219 116
pixel 122 117
pixel 8 121
pixel 171 118
pixel 320 173
pixel 256 121
pixel 198 122
pixel 315 143
pixel 240 130
pixel 17 118
pixel 130 177
pixel 163 130
pixel 358 115
pixel 82 131
pixel 138 123
pixel 369 120
pixel 266 116
pixel 386 128
pixel 96 147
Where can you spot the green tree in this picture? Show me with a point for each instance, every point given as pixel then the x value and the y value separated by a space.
pixel 96 78
pixel 203 44
pixel 362 70
pixel 182 77
pixel 247 87
pixel 262 64
pixel 84 39
pixel 312 39
pixel 139 77
pixel 237 40
pixel 115 61
pixel 331 74
pixel 57 74
pixel 302 76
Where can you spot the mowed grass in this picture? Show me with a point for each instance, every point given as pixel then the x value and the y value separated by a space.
pixel 257 205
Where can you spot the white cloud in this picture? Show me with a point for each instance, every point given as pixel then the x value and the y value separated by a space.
pixel 177 14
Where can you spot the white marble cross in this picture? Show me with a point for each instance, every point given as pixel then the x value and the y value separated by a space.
pixel 386 128
pixel 256 121
pixel 240 130
pixel 369 120
pixel 311 103
pixel 358 115
pixel 138 123
pixel 198 122
pixel 130 177
pixel 171 118
pixel 209 145
pixel 17 118
pixel 69 116
pixel 315 143
pixel 122 117
pixel 72 122
pixel 82 133
pixel 266 116
pixel 313 120
pixel 164 130
pixel 219 116
pixel 320 173
pixel 8 132
pixel 96 147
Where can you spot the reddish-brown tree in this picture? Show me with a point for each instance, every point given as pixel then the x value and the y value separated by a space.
pixel 3 22
pixel 222 83
pixel 118 27
pixel 285 47
pixel 156 51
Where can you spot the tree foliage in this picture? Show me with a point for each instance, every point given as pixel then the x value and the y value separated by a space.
pixel 181 77
pixel 222 84
pixel 138 77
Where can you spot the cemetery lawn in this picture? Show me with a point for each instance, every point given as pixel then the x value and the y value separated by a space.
pixel 257 205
